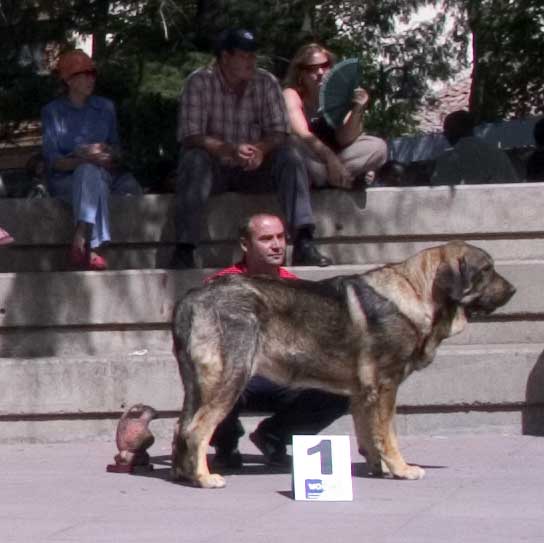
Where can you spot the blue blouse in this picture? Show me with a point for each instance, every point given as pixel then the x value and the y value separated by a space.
pixel 66 126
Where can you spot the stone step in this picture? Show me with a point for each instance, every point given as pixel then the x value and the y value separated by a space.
pixel 124 340
pixel 148 296
pixel 515 420
pixel 380 212
pixel 362 251
pixel 383 224
pixel 91 313
pixel 460 375
pixel 77 347
pixel 465 386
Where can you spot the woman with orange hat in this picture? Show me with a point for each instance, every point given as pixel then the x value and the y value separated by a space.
pixel 81 149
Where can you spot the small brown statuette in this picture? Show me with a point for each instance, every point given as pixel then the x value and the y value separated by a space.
pixel 133 438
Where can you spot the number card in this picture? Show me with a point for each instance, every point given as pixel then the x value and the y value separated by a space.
pixel 322 468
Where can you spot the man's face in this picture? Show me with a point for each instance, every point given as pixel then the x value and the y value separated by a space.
pixel 238 64
pixel 265 246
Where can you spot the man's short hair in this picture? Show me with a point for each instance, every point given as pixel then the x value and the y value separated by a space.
pixel 244 229
pixel 235 38
pixel 458 124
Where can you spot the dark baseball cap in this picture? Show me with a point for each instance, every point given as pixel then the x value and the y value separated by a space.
pixel 236 38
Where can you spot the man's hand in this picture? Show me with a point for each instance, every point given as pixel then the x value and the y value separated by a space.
pixel 248 157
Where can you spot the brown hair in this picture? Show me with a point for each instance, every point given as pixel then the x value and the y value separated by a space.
pixel 302 58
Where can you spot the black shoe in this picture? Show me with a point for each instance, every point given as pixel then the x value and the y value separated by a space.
pixel 223 459
pixel 183 258
pixel 274 452
pixel 306 254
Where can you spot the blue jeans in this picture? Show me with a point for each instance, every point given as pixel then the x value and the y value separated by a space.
pixel 200 175
pixel 295 411
pixel 87 191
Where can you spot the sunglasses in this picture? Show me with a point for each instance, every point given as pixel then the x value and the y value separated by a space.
pixel 314 67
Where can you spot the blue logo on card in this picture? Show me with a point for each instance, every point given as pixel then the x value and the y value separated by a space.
pixel 314 487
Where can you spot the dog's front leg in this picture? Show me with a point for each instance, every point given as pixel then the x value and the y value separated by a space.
pixel 386 437
pixel 376 436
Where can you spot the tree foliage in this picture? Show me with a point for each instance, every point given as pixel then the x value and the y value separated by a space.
pixel 145 49
pixel 508 52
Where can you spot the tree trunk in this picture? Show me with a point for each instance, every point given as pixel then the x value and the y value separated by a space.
pixel 101 25
pixel 477 88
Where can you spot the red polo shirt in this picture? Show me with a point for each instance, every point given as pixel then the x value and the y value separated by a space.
pixel 241 269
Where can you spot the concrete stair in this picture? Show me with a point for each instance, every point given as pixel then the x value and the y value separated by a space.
pixel 78 347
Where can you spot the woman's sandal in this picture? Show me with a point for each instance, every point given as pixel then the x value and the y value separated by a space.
pixel 97 263
pixel 81 259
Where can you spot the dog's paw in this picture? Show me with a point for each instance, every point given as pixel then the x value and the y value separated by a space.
pixel 177 475
pixel 212 480
pixel 375 469
pixel 411 473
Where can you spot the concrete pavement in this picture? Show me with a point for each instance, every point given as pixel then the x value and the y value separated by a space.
pixel 478 488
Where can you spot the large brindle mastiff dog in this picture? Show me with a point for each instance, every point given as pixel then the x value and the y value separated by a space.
pixel 359 335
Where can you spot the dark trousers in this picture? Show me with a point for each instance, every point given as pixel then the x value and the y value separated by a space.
pixel 200 175
pixel 295 411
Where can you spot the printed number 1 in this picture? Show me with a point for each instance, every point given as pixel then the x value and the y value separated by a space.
pixel 325 450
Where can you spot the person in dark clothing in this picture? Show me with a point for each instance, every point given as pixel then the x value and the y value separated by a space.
pixel 535 164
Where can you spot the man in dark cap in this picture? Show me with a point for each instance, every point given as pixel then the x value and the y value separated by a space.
pixel 233 131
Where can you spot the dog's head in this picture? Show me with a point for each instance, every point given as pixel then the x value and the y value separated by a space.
pixel 467 277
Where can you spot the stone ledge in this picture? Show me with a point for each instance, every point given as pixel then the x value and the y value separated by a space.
pixel 490 375
pixel 77 342
pixel 511 421
pixel 148 296
pixel 383 212
pixel 380 225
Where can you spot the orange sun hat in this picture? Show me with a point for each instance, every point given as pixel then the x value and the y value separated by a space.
pixel 74 62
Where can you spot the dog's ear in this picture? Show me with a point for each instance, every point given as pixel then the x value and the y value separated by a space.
pixel 449 282
pixel 457 280
pixel 448 288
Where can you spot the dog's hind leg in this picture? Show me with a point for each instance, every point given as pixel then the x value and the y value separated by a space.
pixel 363 414
pixel 193 445
pixel 215 369
pixel 207 400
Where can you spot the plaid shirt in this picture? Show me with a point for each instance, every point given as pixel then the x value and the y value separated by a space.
pixel 208 107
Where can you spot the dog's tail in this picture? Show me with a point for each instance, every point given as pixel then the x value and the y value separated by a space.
pixel 181 326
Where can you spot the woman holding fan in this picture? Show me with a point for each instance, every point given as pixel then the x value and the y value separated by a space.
pixel 339 156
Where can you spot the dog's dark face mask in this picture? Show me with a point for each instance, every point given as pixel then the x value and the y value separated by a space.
pixel 472 282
